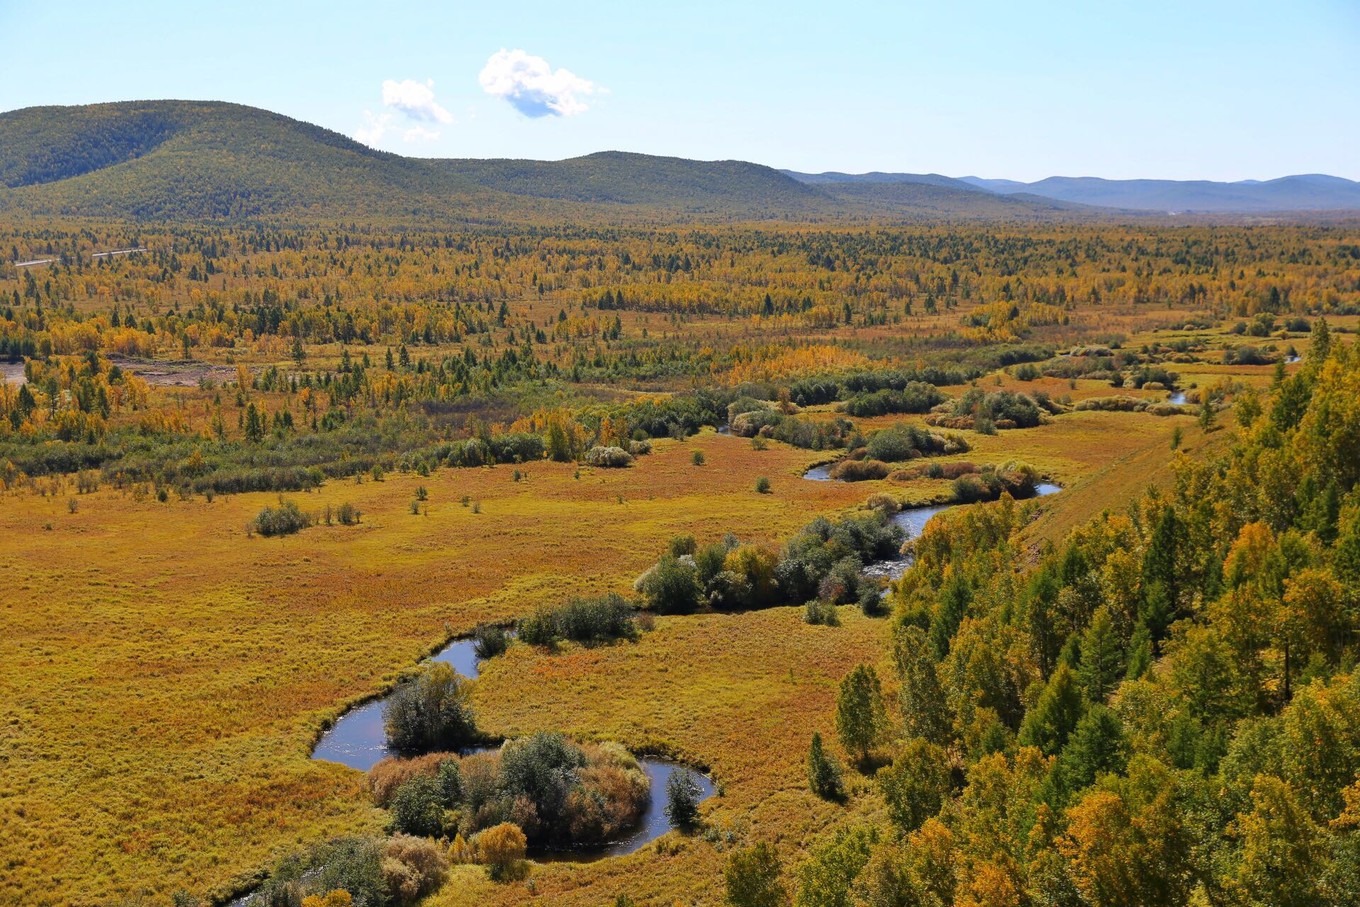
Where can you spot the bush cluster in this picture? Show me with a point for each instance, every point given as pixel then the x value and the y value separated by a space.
pixel 824 561
pixel 589 621
pixel 556 791
pixel 285 519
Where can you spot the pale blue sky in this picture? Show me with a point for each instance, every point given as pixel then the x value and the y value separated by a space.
pixel 1221 89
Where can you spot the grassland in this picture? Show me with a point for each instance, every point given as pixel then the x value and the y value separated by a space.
pixel 166 675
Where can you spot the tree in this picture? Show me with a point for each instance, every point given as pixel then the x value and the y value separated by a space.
pixel 916 784
pixel 1125 843
pixel 826 879
pixel 1097 746
pixel 860 716
pixel 429 713
pixel 255 427
pixel 1283 855
pixel 1102 657
pixel 682 798
pixel 925 712
pixel 824 774
pixel 1056 713
pixel 1161 578
pixel 752 878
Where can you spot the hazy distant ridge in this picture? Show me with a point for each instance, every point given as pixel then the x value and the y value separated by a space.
pixel 1306 192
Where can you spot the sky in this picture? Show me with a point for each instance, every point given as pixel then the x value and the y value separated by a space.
pixel 1174 89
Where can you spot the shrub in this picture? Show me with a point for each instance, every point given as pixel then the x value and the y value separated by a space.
pixel 412 868
pixel 859 470
pixel 915 397
pixel 418 807
pixel 762 485
pixel 608 457
pixel 821 613
pixel 697 458
pixel 872 601
pixel 682 545
pixel 347 514
pixel 284 519
pixel 907 442
pixel 391 773
pixel 490 640
pixel 502 848
pixel 751 877
pixel 670 587
pixel 429 712
pixel 682 798
pixel 588 621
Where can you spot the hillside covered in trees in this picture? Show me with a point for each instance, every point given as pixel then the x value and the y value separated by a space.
pixel 188 160
pixel 1162 709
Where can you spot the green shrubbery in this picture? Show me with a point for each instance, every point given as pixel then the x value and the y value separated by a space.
pixel 825 561
pixel 430 712
pixel 916 397
pixel 285 519
pixel 589 621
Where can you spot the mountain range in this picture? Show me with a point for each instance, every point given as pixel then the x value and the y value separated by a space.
pixel 196 160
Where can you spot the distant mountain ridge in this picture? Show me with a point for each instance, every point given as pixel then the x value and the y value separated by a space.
pixel 197 160
pixel 1304 192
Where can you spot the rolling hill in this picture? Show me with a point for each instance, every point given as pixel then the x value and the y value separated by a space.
pixel 192 160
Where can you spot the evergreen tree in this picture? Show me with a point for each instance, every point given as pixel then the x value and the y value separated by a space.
pixel 824 774
pixel 1048 724
pixel 1102 657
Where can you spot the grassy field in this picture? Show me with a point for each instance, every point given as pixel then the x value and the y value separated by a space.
pixel 164 675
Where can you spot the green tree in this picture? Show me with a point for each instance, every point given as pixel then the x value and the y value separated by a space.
pixel 1161 576
pixel 1102 657
pixel 1097 746
pixel 255 425
pixel 916 784
pixel 860 716
pixel 925 711
pixel 825 880
pixel 751 877
pixel 1059 708
pixel 824 774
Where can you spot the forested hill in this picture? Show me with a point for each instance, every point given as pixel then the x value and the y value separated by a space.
pixel 189 160
pixel 1165 709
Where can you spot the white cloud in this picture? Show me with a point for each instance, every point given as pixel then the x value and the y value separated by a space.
pixel 419 134
pixel 374 128
pixel 415 100
pixel 415 104
pixel 532 86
